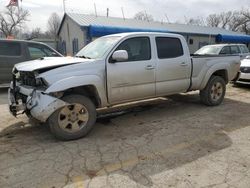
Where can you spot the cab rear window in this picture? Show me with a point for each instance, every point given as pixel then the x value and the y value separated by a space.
pixel 10 49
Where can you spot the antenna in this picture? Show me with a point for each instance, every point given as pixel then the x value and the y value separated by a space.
pixel 107 12
pixel 123 13
pixel 146 16
pixel 95 10
pixel 64 6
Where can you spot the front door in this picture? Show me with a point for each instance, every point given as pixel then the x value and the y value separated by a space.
pixel 134 78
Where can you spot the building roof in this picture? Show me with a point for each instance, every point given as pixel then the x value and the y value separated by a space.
pixel 88 20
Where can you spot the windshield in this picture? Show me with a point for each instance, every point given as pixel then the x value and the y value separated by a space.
pixel 213 50
pixel 97 48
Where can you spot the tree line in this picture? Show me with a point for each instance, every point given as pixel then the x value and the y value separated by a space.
pixel 238 21
pixel 12 23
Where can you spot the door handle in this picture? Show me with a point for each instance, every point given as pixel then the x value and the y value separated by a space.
pixel 150 67
pixel 184 64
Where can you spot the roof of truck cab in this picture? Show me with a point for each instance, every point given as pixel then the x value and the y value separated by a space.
pixel 142 33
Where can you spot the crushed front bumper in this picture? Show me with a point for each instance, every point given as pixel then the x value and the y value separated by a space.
pixel 39 104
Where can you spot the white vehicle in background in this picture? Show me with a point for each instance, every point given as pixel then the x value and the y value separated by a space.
pixel 245 71
pixel 224 49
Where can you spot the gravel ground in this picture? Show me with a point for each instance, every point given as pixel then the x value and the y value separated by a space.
pixel 173 142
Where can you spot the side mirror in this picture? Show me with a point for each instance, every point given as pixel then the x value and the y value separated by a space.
pixel 120 55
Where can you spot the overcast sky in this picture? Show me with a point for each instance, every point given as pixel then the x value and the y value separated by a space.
pixel 176 10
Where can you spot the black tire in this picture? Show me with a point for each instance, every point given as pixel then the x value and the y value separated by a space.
pixel 65 134
pixel 209 96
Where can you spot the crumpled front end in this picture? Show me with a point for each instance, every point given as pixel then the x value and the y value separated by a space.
pixel 32 100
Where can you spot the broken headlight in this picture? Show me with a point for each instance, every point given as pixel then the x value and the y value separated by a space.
pixel 41 82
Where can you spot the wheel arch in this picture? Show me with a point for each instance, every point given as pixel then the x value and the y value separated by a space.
pixel 216 70
pixel 89 85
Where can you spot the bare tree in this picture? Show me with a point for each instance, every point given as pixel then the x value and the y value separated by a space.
pixel 12 20
pixel 213 20
pixel 143 16
pixel 226 18
pixel 195 21
pixel 235 21
pixel 53 25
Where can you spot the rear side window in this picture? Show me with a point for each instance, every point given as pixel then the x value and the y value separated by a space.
pixel 235 50
pixel 10 49
pixel 168 47
pixel 244 49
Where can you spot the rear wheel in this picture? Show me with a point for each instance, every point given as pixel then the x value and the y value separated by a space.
pixel 214 92
pixel 74 120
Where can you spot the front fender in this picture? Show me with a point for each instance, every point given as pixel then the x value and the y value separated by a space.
pixel 78 81
pixel 211 71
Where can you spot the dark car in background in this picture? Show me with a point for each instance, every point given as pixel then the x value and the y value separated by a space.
pixel 16 51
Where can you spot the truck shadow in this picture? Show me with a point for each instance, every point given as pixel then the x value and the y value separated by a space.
pixel 157 137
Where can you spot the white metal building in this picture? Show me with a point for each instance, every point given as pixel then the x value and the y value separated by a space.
pixel 77 30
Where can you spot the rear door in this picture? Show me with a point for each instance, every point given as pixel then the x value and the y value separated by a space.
pixel 173 66
pixel 11 53
pixel 134 78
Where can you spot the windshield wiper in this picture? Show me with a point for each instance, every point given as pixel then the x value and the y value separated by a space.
pixel 82 56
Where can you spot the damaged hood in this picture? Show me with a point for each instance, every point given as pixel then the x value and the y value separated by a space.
pixel 49 63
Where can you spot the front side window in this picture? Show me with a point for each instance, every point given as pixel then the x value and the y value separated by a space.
pixel 138 48
pixel 10 49
pixel 225 50
pixel 37 51
pixel 168 47
pixel 235 50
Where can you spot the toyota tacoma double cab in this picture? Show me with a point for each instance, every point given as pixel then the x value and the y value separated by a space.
pixel 112 70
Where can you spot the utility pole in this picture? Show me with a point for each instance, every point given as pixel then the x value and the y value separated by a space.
pixel 95 10
pixel 64 7
pixel 123 13
pixel 107 12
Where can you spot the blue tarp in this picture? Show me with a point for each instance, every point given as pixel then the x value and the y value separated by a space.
pixel 98 31
pixel 233 38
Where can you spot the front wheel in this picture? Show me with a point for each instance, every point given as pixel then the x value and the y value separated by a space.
pixel 214 92
pixel 74 120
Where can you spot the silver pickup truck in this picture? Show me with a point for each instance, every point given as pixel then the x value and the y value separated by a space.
pixel 115 69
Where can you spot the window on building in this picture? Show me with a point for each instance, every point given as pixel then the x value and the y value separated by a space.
pixel 168 47
pixel 10 49
pixel 191 41
pixel 75 46
pixel 138 48
pixel 225 50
